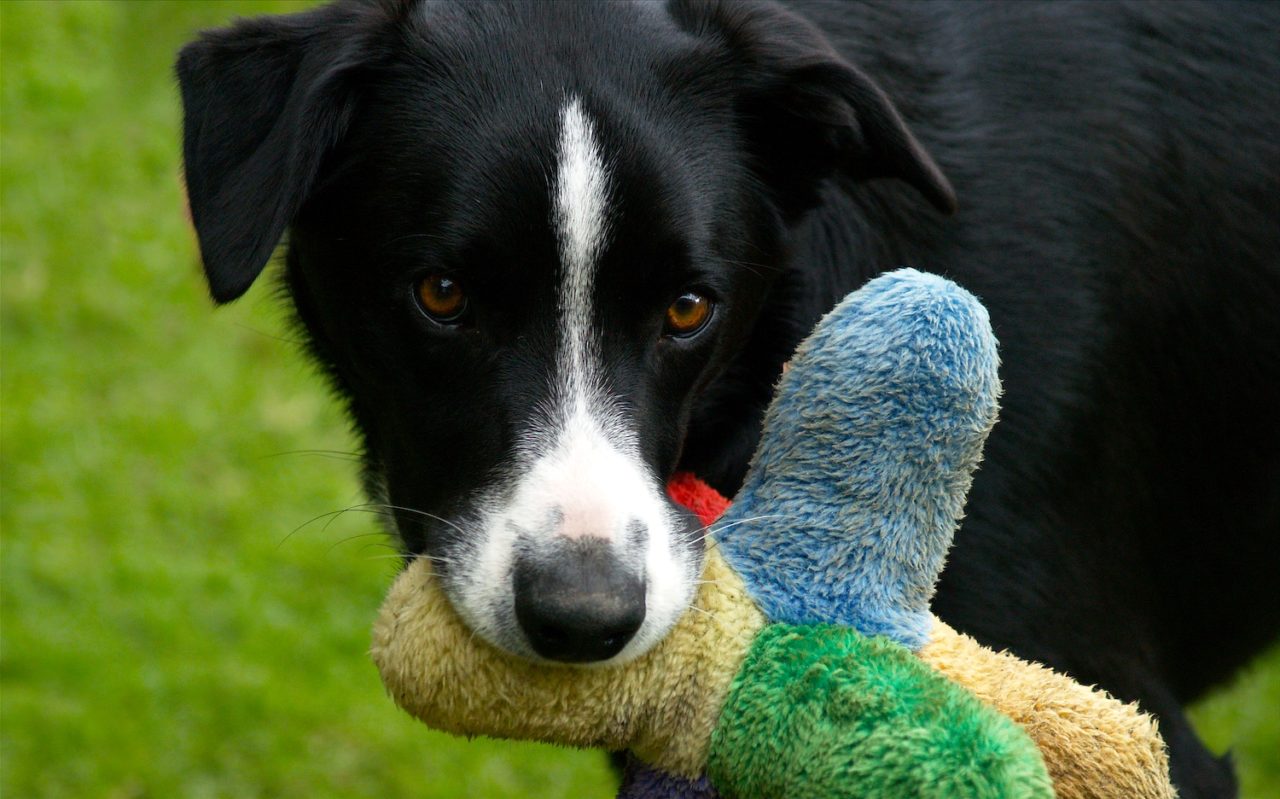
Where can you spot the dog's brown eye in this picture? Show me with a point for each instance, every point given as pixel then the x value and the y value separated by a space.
pixel 442 298
pixel 687 315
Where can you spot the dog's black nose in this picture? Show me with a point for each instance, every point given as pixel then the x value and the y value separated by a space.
pixel 577 603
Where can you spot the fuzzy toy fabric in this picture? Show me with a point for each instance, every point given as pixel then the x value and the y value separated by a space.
pixel 642 781
pixel 860 718
pixel 1092 744
pixel 846 516
pixel 865 545
pixel 870 445
pixel 708 697
pixel 662 706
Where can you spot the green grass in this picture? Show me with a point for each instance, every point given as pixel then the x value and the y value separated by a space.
pixel 1245 719
pixel 171 625
pixel 163 633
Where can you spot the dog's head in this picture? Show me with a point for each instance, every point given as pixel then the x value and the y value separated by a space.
pixel 525 240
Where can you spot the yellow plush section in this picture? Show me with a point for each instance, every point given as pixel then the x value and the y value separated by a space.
pixel 1093 745
pixel 662 705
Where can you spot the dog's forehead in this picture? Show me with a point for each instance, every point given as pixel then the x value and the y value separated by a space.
pixel 519 167
pixel 539 26
pixel 479 130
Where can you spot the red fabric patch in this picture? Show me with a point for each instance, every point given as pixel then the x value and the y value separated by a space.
pixel 704 501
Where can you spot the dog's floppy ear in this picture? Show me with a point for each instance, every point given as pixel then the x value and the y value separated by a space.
pixel 264 101
pixel 807 113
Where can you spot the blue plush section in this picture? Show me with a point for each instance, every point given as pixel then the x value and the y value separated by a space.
pixel 867 455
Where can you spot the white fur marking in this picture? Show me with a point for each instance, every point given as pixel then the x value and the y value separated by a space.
pixel 584 463
pixel 581 195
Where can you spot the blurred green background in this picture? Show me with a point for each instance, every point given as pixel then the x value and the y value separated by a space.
pixel 175 619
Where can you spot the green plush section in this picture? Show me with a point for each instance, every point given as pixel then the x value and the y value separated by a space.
pixel 822 711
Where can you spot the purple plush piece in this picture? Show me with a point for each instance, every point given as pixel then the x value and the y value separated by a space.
pixel 641 781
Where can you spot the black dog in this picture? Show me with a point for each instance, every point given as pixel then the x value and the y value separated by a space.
pixel 550 253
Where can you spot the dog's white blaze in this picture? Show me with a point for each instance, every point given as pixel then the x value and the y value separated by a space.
pixel 594 459
pixel 581 195
pixel 584 466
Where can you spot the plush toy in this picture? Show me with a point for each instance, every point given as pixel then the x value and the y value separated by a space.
pixel 809 664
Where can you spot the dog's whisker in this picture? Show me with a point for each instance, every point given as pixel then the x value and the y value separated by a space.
pixel 378 545
pixel 419 512
pixel 401 556
pixel 252 329
pixel 340 542
pixel 715 528
pixel 702 533
pixel 376 508
pixel 332 516
pixel 703 611
pixel 311 521
pixel 336 454
pixel 354 509
pixel 432 558
pixel 694 536
pixel 358 535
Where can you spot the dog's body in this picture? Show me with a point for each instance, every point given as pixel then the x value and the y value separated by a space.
pixel 592 175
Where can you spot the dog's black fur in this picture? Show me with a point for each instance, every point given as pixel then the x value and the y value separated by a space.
pixel 1117 168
